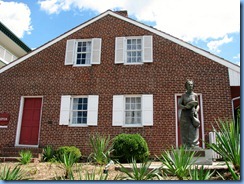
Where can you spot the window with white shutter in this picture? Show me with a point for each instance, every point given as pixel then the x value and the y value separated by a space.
pixel 133 110
pixel 134 50
pixel 83 52
pixel 79 110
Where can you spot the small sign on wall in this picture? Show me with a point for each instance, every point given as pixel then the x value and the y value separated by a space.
pixel 4 119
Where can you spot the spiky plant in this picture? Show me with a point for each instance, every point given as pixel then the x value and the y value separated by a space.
pixel 140 171
pixel 228 142
pixel 200 173
pixel 12 174
pixel 25 156
pixel 177 162
pixel 102 147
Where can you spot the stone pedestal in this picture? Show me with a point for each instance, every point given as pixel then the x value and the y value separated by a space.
pixel 203 157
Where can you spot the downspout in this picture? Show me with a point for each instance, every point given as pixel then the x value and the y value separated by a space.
pixel 232 103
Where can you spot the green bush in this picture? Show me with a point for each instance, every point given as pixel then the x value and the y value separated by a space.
pixel 67 150
pixel 130 146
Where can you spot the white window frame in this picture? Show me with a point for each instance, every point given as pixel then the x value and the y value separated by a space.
pixel 135 124
pixel 66 110
pixel 118 117
pixel 126 50
pixel 71 52
pixel 146 50
pixel 76 52
pixel 72 110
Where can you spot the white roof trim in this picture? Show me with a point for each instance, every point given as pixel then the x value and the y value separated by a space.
pixel 153 30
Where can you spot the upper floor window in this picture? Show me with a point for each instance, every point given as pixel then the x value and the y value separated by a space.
pixel 133 50
pixel 83 52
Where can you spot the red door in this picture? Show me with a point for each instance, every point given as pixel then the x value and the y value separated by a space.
pixel 29 132
pixel 199 117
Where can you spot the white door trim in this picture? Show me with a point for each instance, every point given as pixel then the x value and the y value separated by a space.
pixel 21 108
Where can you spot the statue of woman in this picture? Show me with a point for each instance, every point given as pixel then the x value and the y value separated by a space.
pixel 189 122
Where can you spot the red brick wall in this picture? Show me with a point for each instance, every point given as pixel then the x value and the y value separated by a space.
pixel 46 75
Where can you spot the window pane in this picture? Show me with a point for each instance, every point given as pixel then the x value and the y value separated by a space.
pixel 133 110
pixel 79 111
pixel 83 52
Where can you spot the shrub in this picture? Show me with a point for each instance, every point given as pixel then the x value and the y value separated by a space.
pixel 66 150
pixel 25 156
pixel 48 153
pixel 101 148
pixel 130 146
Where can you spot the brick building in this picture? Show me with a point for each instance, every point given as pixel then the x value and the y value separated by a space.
pixel 111 75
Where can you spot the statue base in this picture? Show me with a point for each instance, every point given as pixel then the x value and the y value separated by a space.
pixel 203 156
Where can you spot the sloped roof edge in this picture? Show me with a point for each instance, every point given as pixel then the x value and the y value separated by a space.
pixel 13 37
pixel 139 24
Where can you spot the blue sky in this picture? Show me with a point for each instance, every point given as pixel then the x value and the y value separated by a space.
pixel 213 25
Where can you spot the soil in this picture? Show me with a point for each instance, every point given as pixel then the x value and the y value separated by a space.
pixel 55 171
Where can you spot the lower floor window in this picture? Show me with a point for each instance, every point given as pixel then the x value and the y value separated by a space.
pixel 79 110
pixel 133 112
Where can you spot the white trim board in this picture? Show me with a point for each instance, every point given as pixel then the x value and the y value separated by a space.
pixel 153 30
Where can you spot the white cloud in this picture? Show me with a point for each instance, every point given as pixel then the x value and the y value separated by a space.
pixel 215 44
pixel 190 20
pixel 16 16
pixel 237 57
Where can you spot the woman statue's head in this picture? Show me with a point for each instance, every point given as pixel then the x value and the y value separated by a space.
pixel 189 84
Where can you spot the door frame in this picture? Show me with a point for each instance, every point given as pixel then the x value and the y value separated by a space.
pixel 201 120
pixel 21 109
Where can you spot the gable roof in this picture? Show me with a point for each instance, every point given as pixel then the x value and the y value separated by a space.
pixel 202 52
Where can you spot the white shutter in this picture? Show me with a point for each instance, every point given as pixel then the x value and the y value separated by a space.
pixel 118 110
pixel 64 110
pixel 147 49
pixel 92 114
pixel 70 50
pixel 96 51
pixel 147 110
pixel 119 50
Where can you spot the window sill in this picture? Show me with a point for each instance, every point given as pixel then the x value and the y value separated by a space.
pixel 77 125
pixel 133 126
pixel 82 65
pixel 134 63
pixel 3 126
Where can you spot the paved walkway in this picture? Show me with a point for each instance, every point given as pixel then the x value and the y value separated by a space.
pixel 215 165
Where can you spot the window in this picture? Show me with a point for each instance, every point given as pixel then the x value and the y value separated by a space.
pixel 83 52
pixel 133 110
pixel 133 50
pixel 79 110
